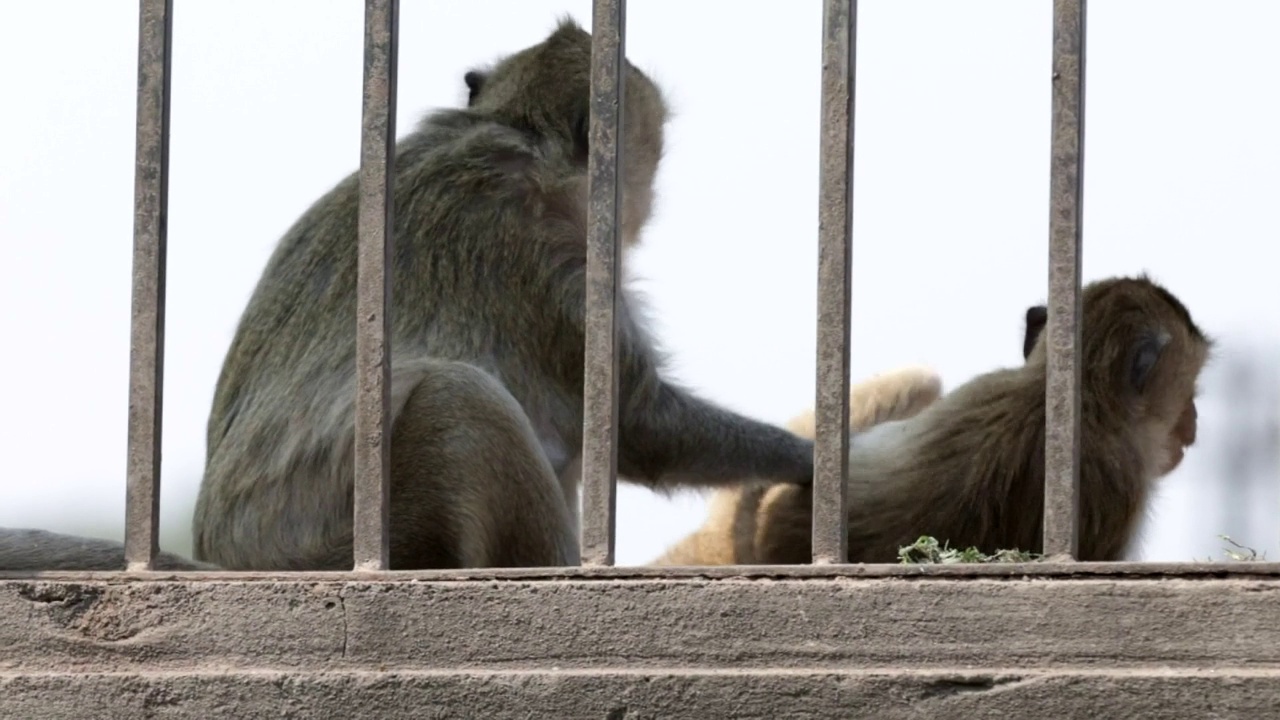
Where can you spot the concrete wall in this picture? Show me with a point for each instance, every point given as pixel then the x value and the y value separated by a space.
pixel 1110 642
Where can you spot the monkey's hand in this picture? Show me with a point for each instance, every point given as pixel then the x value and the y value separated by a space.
pixel 668 437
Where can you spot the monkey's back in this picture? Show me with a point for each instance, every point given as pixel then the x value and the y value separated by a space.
pixel 989 436
pixel 476 205
pixel 982 444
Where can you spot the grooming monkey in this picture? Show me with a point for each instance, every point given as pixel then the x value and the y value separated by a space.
pixel 969 469
pixel 487 345
pixel 487 349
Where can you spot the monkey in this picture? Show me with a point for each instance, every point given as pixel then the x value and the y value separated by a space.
pixel 26 550
pixel 969 468
pixel 487 320
pixel 737 513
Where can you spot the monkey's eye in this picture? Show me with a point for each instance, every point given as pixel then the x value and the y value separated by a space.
pixel 1144 360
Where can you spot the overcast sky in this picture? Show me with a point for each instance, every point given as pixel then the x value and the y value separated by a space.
pixel 951 208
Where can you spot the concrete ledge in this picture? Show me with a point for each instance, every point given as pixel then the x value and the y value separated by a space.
pixel 835 623
pixel 1041 569
pixel 760 695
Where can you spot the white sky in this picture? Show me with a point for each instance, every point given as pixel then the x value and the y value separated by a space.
pixel 951 204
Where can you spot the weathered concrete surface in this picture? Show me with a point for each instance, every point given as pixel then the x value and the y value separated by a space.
pixel 760 695
pixel 811 623
pixel 608 646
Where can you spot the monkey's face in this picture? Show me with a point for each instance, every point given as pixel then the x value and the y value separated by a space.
pixel 1183 435
pixel 1143 357
pixel 643 142
pixel 1165 378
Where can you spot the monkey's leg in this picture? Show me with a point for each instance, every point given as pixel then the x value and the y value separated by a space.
pixel 26 550
pixel 470 484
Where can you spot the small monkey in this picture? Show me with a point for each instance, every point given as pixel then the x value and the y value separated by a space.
pixel 738 517
pixel 487 346
pixel 969 469
pixel 738 513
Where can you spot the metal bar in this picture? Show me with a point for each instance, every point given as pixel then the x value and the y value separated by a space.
pixel 835 248
pixel 1063 386
pixel 604 193
pixel 150 237
pixel 373 287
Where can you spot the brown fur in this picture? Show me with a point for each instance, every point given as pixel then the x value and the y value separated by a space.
pixel 969 469
pixel 739 515
pixel 487 348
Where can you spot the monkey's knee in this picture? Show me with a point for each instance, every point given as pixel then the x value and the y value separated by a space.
pixel 471 486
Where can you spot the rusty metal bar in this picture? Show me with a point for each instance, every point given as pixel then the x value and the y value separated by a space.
pixel 150 237
pixel 604 204
pixel 373 286
pixel 1063 386
pixel 835 254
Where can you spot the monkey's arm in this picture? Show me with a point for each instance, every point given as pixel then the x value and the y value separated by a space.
pixel 668 436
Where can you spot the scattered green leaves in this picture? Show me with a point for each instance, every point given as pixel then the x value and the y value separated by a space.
pixel 928 550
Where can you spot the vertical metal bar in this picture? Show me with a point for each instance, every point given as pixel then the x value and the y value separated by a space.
pixel 373 286
pixel 604 193
pixel 150 237
pixel 835 253
pixel 1062 389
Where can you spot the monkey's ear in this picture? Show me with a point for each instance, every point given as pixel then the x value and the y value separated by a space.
pixel 1037 317
pixel 582 133
pixel 475 80
pixel 1145 356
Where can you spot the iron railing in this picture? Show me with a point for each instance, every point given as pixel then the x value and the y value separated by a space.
pixel 599 454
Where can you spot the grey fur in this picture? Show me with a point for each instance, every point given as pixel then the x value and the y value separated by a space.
pixel 487 349
pixel 30 550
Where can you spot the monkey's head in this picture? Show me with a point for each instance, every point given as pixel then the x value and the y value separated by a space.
pixel 546 89
pixel 1142 356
